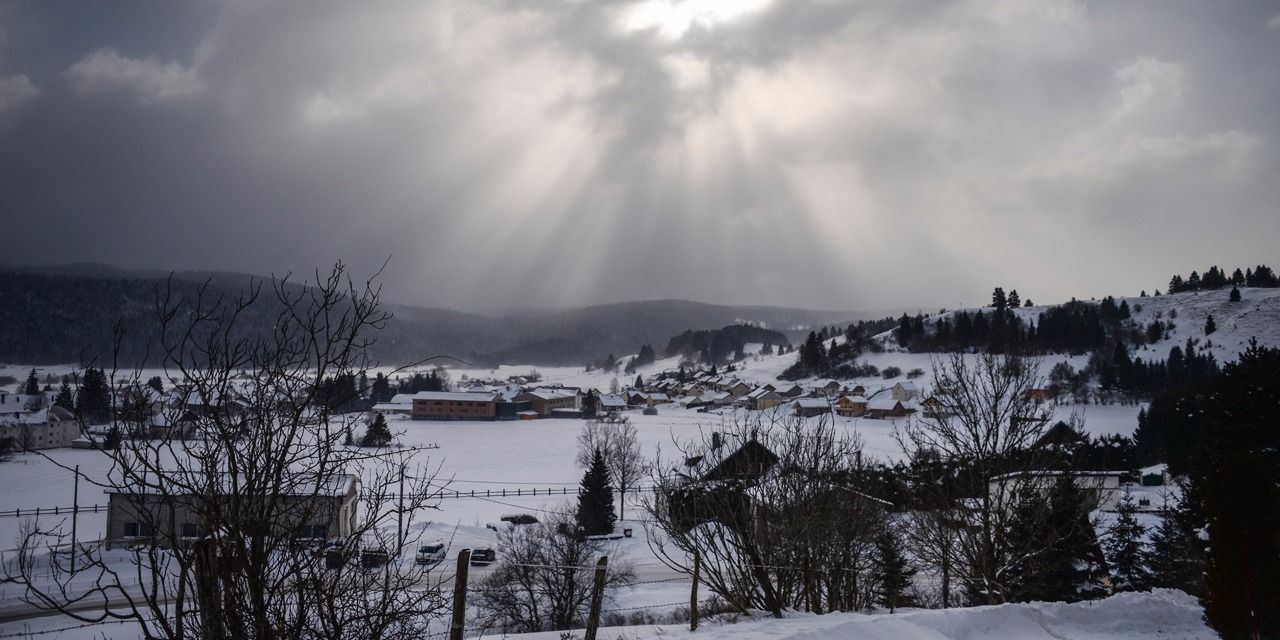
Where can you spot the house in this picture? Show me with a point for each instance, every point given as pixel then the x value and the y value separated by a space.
pixel 793 391
pixel 763 398
pixel 851 406
pixel 659 398
pixel 748 462
pixel 828 388
pixel 611 404
pixel 400 404
pixel 858 390
pixel 738 389
pixel 904 391
pixel 318 508
pixel 636 398
pixel 49 428
pixel 544 401
pixel 885 406
pixel 809 407
pixel 1102 488
pixel 454 405
pixel 1040 395
pixel 934 407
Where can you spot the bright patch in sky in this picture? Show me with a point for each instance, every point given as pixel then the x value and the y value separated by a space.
pixel 673 18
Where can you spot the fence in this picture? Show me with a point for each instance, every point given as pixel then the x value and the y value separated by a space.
pixel 53 511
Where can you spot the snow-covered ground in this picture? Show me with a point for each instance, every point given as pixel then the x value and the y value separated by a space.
pixel 1158 615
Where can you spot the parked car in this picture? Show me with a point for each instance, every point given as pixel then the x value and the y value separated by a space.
pixel 483 556
pixel 374 558
pixel 431 554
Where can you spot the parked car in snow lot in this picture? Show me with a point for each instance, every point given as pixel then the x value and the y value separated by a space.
pixel 430 554
pixel 483 556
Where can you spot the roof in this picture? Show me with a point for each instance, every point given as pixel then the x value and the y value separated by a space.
pixel 453 396
pixel 886 403
pixel 811 403
pixel 612 401
pixel 335 485
pixel 551 394
pixel 907 385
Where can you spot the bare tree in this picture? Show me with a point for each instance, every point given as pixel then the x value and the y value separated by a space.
pixel 776 512
pixel 987 431
pixel 544 577
pixel 245 510
pixel 619 443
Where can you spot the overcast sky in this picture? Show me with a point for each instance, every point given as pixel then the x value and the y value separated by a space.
pixel 821 153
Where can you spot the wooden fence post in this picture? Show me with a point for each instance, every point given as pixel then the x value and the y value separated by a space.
pixel 458 624
pixel 597 596
pixel 693 594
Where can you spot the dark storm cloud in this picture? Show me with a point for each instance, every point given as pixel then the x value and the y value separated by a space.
pixel 823 153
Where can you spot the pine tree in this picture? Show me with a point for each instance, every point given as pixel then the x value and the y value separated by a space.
pixel 1125 550
pixel 590 404
pixel 156 383
pixel 595 500
pixel 998 301
pixel 1175 554
pixel 33 384
pixel 64 398
pixel 1014 301
pixel 639 382
pixel 93 402
pixel 381 389
pixel 1235 294
pixel 377 435
pixel 1070 565
pixel 111 441
pixel 1242 576
pixel 1210 326
pixel 891 575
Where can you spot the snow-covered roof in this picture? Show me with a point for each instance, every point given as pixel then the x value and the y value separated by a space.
pixel 453 396
pixel 883 403
pixel 552 394
pixel 811 403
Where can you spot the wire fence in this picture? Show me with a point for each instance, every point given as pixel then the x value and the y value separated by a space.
pixel 53 511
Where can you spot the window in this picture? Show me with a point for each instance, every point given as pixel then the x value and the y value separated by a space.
pixel 190 530
pixel 136 530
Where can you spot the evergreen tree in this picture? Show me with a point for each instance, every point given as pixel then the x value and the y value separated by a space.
pixel 111 441
pixel 93 402
pixel 1070 566
pixel 1125 550
pixel 595 500
pixel 891 575
pixel 156 383
pixel 377 435
pixel 904 331
pixel 32 387
pixel 347 438
pixel 1193 281
pixel 639 383
pixel 1237 277
pixel 381 389
pixel 1235 294
pixel 590 404
pixel 998 300
pixel 1210 326
pixel 64 398
pixel 1175 554
pixel 1242 576
pixel 1014 301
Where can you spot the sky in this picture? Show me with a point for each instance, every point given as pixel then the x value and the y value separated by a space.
pixel 818 153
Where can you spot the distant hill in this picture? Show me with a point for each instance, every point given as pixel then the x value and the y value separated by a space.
pixel 65 314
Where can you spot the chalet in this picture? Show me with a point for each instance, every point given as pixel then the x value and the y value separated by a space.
pixel 885 406
pixel 827 388
pixel 454 405
pixel 636 398
pixel 318 509
pixel 738 389
pixel 749 462
pixel 858 390
pixel 544 401
pixel 763 398
pixel 933 407
pixel 851 406
pixel 659 398
pixel 809 407
pixel 611 404
pixel 905 391
pixel 793 391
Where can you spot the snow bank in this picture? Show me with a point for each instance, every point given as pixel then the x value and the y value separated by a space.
pixel 1163 614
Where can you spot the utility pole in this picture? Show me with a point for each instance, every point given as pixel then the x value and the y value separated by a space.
pixel 597 596
pixel 459 622
pixel 75 511
pixel 693 595
pixel 400 514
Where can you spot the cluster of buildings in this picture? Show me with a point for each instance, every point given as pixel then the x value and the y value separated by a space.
pixel 33 422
